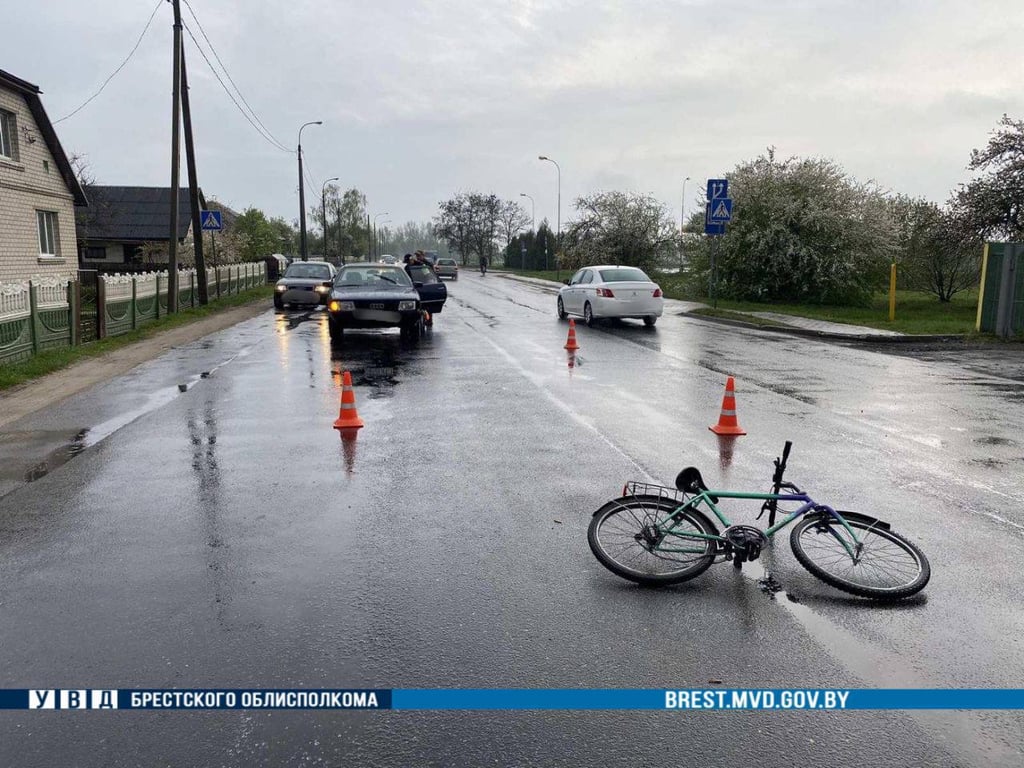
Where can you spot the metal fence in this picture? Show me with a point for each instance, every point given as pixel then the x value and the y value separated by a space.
pixel 46 313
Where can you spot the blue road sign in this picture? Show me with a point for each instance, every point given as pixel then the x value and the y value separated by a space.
pixel 210 221
pixel 721 210
pixel 710 227
pixel 718 188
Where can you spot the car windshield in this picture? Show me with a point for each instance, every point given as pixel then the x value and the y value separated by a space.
pixel 421 273
pixel 623 275
pixel 372 276
pixel 310 271
pixel 446 262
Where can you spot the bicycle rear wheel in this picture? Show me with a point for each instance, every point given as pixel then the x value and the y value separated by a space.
pixel 889 567
pixel 644 539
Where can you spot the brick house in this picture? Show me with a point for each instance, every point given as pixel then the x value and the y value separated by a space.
pixel 38 189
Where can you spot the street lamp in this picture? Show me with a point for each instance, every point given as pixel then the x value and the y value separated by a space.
pixel 682 225
pixel 376 250
pixel 323 209
pixel 302 191
pixel 558 236
pixel 384 235
pixel 533 208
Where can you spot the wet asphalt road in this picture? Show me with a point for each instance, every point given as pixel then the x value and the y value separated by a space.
pixel 225 537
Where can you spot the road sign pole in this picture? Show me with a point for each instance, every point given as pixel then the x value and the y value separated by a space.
pixel 714 271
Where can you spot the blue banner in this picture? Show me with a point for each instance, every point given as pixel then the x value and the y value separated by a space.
pixel 516 698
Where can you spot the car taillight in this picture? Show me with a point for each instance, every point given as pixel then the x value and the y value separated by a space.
pixel 657 293
pixel 606 292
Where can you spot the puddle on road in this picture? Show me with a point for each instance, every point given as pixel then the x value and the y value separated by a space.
pixel 57 458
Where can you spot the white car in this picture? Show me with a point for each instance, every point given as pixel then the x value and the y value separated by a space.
pixel 610 291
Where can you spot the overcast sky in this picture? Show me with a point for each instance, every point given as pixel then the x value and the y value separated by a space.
pixel 421 100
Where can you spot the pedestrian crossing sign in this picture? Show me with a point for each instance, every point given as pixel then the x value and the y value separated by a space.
pixel 721 211
pixel 210 221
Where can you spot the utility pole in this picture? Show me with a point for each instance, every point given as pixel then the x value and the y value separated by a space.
pixel 172 247
pixel 193 186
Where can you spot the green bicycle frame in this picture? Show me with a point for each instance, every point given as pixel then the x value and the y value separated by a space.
pixel 704 498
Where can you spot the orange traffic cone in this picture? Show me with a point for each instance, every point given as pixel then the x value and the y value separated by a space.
pixel 727 424
pixel 348 418
pixel 571 341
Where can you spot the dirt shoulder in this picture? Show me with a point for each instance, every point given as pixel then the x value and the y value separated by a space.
pixel 32 396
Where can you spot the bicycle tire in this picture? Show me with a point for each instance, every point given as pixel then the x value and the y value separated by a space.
pixel 613 532
pixel 886 554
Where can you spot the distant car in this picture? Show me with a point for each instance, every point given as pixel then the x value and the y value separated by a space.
pixel 432 291
pixel 374 296
pixel 447 268
pixel 609 291
pixel 387 258
pixel 304 282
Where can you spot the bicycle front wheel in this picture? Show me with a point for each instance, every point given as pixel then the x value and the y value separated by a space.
pixel 887 567
pixel 646 540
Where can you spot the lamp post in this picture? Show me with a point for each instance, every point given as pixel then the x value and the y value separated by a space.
pixel 533 209
pixel 323 210
pixel 376 251
pixel 682 225
pixel 302 192
pixel 558 236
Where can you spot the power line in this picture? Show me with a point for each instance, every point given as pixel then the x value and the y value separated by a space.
pixel 259 130
pixel 230 79
pixel 130 54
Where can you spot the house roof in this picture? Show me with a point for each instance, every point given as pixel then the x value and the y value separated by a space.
pixel 35 105
pixel 134 213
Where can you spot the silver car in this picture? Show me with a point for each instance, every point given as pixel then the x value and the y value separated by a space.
pixel 304 282
pixel 447 268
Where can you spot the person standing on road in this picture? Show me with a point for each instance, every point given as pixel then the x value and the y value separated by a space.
pixel 483 264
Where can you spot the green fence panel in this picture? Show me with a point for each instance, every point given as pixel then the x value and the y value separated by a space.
pixel 995 267
pixel 15 339
pixel 53 328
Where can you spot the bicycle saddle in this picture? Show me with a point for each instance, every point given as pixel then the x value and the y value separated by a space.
pixel 690 481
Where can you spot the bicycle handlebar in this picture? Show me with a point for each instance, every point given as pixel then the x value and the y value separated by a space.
pixel 780 465
pixel 771 506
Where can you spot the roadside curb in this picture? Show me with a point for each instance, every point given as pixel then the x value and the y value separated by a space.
pixel 869 338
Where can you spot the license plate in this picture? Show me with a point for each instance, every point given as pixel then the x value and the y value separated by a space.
pixel 376 306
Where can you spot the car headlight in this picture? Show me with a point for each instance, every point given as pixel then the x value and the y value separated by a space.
pixel 341 306
pixel 322 289
pixel 405 306
pixel 280 287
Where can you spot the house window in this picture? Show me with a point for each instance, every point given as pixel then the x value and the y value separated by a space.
pixel 47 221
pixel 7 134
pixel 95 253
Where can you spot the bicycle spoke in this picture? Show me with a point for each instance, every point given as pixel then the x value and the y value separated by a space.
pixel 884 561
pixel 638 536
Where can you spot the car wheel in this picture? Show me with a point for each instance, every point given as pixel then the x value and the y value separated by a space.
pixel 588 315
pixel 278 304
pixel 336 329
pixel 412 331
pixel 650 320
pixel 562 314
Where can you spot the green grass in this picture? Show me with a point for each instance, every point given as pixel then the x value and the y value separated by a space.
pixel 56 359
